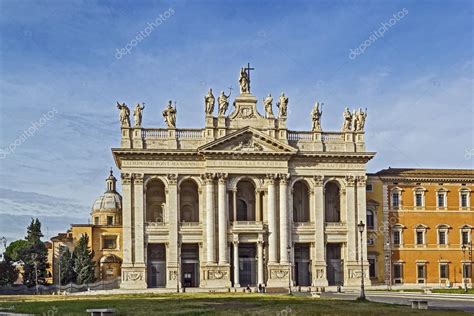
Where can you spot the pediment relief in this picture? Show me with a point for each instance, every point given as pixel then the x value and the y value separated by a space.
pixel 248 140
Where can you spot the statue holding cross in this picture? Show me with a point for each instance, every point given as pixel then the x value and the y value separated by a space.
pixel 244 80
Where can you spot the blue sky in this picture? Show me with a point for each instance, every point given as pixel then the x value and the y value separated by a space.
pixel 59 57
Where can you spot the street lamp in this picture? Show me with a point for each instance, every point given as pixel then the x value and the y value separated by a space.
pixel 361 227
pixel 288 249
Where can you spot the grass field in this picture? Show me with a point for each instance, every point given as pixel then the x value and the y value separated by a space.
pixel 200 304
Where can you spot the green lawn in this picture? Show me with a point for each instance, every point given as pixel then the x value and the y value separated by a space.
pixel 203 304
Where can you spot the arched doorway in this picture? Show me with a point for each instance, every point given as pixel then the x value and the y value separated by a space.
pixel 110 267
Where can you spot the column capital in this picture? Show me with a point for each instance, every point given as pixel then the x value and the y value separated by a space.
pixel 126 178
pixel 318 180
pixel 208 177
pixel 361 181
pixel 270 178
pixel 137 178
pixel 172 178
pixel 235 239
pixel 222 177
pixel 350 180
pixel 284 177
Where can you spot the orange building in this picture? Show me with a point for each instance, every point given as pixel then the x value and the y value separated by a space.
pixel 105 235
pixel 426 227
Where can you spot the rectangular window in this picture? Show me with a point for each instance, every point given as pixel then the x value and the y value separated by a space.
pixel 421 273
pixel 109 242
pixel 395 200
pixel 419 199
pixel 463 199
pixel 372 268
pixel 96 220
pixel 368 187
pixel 419 238
pixel 396 238
pixel 441 200
pixel 464 238
pixel 443 271
pixel 442 237
pixel 466 270
pixel 397 271
pixel 110 220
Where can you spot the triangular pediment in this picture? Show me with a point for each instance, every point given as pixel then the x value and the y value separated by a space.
pixel 247 140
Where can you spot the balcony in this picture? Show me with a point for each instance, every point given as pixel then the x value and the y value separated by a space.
pixel 190 227
pixel 247 226
pixel 303 228
pixel 156 228
pixel 335 228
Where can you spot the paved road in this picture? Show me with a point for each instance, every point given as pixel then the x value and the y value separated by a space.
pixel 464 302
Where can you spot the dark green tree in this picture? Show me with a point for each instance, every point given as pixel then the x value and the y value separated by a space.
pixel 34 256
pixel 84 266
pixel 15 248
pixel 68 273
pixel 8 272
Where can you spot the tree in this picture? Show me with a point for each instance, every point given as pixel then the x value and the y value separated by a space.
pixel 8 272
pixel 15 248
pixel 67 260
pixel 34 256
pixel 84 266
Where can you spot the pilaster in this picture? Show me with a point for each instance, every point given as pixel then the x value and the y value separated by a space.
pixel 272 233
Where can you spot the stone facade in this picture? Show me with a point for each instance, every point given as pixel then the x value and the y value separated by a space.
pixel 242 201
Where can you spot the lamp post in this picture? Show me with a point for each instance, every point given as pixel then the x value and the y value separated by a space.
pixel 361 227
pixel 288 249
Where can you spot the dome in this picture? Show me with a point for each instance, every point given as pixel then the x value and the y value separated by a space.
pixel 108 202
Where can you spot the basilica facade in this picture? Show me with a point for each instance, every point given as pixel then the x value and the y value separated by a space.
pixel 242 201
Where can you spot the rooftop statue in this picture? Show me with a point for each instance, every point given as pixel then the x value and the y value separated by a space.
pixel 267 103
pixel 169 114
pixel 223 103
pixel 282 105
pixel 209 102
pixel 124 114
pixel 347 120
pixel 137 114
pixel 244 81
pixel 316 116
pixel 361 116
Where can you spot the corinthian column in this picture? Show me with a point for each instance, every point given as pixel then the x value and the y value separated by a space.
pixel 236 260
pixel 139 220
pixel 127 220
pixel 272 234
pixel 284 242
pixel 352 232
pixel 210 229
pixel 260 279
pixel 222 217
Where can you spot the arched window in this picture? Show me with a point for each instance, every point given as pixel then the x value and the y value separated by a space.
pixel 245 201
pixel 155 201
pixel 300 202
pixel 332 202
pixel 189 201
